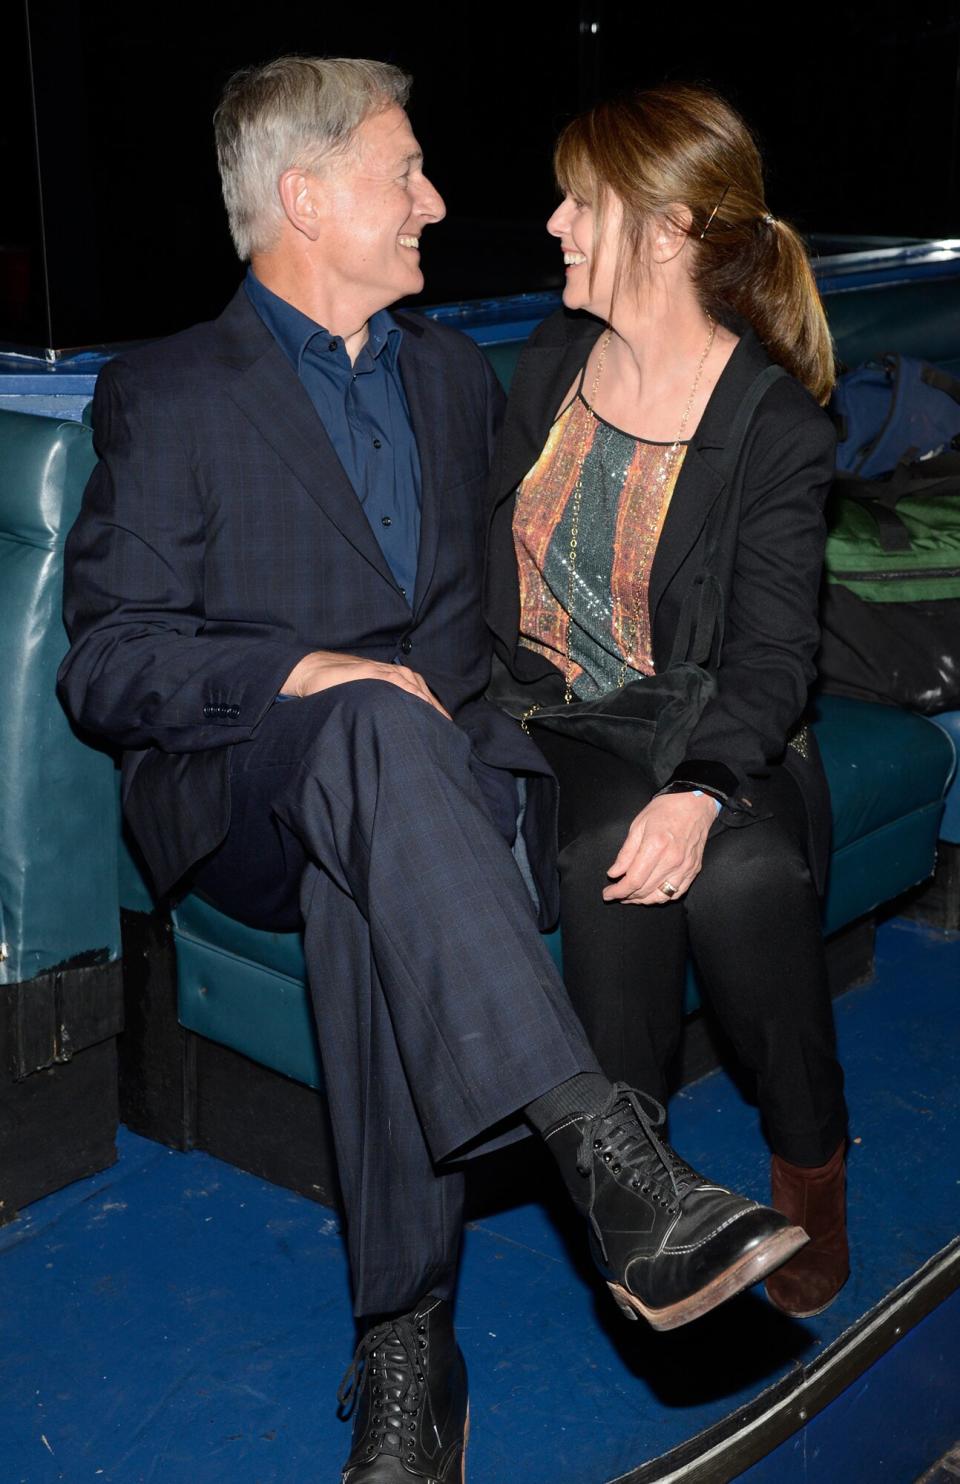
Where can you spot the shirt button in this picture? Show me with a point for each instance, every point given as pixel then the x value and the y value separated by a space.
pixel 385 520
pixel 406 646
pixel 376 442
pixel 332 345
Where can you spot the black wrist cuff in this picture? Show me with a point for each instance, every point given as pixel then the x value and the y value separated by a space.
pixel 685 786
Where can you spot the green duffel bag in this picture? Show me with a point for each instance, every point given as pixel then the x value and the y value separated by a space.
pixel 890 612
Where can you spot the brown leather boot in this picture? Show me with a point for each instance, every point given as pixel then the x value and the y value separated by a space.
pixel 816 1200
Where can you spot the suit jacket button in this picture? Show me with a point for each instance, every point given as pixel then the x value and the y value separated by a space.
pixel 406 645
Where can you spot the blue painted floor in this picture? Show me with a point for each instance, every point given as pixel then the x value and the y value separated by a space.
pixel 176 1320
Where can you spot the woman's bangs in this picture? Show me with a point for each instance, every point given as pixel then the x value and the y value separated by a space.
pixel 571 166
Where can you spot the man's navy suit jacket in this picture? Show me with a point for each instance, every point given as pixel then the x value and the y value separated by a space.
pixel 220 540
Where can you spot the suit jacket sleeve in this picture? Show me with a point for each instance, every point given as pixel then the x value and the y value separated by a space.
pixel 144 669
pixel 771 629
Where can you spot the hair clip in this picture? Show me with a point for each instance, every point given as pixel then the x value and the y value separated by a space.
pixel 714 212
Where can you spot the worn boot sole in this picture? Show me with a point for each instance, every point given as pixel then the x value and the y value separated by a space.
pixel 742 1274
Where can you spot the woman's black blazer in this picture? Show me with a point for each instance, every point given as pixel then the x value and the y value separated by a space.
pixel 769 532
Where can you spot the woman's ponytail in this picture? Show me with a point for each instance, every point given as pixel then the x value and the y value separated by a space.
pixel 761 270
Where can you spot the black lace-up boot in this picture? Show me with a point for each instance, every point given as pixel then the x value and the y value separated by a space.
pixel 407 1388
pixel 670 1244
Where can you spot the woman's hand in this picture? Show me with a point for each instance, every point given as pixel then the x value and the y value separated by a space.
pixel 664 844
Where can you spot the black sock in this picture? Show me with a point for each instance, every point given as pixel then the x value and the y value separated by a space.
pixel 585 1093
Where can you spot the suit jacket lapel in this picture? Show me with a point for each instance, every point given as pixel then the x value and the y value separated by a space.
pixel 427 400
pixel 268 390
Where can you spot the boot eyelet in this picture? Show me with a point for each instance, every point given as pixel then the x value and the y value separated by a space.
pixel 607 1157
pixel 617 1169
pixel 598 1144
pixel 634 1184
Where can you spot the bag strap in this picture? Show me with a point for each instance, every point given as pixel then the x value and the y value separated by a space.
pixel 700 629
pixel 741 423
pixel 934 477
pixel 942 381
pixel 937 475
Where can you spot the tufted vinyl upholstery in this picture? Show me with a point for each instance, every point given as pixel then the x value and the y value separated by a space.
pixel 58 805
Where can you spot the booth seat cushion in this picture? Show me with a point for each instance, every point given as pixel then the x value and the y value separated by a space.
pixel 245 989
pixel 888 770
pixel 949 721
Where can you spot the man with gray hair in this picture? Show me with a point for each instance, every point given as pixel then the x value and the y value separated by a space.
pixel 273 596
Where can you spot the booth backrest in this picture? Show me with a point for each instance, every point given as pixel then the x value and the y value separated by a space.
pixel 59 813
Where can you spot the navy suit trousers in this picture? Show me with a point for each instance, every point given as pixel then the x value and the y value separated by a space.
pixel 439 1011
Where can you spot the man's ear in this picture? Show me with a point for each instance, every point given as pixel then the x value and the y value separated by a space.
pixel 299 196
pixel 669 232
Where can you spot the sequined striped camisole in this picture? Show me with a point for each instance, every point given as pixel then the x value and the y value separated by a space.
pixel 624 498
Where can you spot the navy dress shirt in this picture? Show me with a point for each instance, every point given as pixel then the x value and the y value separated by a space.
pixel 364 410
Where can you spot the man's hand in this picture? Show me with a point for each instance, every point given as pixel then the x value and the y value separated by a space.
pixel 323 668
pixel 664 844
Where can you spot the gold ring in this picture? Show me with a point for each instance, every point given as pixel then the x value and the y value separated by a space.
pixel 668 889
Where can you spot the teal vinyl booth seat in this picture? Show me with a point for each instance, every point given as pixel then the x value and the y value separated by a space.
pixel 60 973
pixel 238 988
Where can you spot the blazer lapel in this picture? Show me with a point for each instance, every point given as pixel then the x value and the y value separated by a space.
pixel 544 374
pixel 697 489
pixel 702 478
pixel 266 388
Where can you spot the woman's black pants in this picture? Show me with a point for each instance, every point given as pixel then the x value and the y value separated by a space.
pixel 752 922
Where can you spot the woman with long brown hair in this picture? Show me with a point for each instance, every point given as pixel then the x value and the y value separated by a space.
pixel 655 553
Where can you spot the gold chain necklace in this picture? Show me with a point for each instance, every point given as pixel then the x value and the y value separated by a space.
pixel 663 473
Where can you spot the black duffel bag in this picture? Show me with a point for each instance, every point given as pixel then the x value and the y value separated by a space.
pixel 890 613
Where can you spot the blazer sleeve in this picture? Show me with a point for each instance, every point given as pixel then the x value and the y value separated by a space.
pixel 771 628
pixel 142 669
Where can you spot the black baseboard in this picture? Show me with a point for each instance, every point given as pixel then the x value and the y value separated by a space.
pixel 57 1125
pixel 190 1093
pixel 58 1078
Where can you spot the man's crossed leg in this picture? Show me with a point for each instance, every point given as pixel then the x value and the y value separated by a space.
pixel 445 1030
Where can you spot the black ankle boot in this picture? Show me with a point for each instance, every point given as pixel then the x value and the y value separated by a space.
pixel 670 1244
pixel 407 1387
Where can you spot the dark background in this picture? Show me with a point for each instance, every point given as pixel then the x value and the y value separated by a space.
pixel 111 225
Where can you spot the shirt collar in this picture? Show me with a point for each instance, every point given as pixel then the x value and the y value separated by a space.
pixel 294 330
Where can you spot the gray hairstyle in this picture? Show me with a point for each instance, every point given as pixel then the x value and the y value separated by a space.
pixel 293 113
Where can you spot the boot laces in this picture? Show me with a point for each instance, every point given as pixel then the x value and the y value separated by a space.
pixel 388 1362
pixel 623 1136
